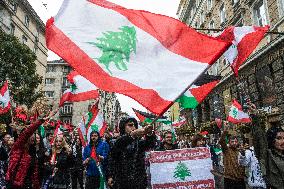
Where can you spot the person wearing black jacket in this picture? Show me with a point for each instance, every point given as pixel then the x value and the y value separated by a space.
pixel 126 163
pixel 167 143
pixel 3 159
pixel 77 166
pixel 60 160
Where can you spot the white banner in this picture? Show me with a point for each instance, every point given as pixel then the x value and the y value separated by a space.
pixel 182 169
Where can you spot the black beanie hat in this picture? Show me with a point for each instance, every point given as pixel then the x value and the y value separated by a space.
pixel 123 122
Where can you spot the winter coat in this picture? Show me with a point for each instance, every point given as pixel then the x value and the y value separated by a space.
pixel 271 163
pixel 102 149
pixel 61 177
pixel 127 164
pixel 77 157
pixel 20 163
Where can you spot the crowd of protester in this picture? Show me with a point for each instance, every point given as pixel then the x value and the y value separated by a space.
pixel 29 160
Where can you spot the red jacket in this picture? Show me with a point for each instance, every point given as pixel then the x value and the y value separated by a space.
pixel 21 159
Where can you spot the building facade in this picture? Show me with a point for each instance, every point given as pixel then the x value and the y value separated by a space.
pixel 18 18
pixel 262 75
pixel 56 83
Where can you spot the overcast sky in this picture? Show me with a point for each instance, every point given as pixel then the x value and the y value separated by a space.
pixel 47 8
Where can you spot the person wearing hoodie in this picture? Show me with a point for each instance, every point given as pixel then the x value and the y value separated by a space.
pixel 127 157
pixel 95 154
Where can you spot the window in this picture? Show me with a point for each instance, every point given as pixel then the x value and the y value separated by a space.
pixel 222 14
pixel 211 25
pixel 49 94
pixel 49 81
pixel 14 6
pixel 12 29
pixel 66 69
pixel 281 7
pixel 202 17
pixel 67 108
pixel 65 82
pixel 50 68
pixel 209 4
pixel 35 48
pixel 235 1
pixel 24 39
pixel 260 14
pixel 27 21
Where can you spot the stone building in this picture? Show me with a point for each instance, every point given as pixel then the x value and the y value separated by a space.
pixel 18 18
pixel 56 83
pixel 262 75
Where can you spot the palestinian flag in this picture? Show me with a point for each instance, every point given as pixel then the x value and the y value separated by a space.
pixel 96 123
pixel 81 89
pixel 196 94
pixel 132 52
pixel 5 102
pixel 237 115
pixel 148 118
pixel 244 40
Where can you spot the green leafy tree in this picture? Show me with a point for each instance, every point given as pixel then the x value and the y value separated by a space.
pixel 17 63
pixel 181 171
pixel 116 47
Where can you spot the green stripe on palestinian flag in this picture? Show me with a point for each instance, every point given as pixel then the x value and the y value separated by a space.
pixel 132 52
pixel 81 89
pixel 96 123
pixel 196 94
pixel 5 102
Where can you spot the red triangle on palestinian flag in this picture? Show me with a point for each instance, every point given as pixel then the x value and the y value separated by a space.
pixel 244 40
pixel 135 54
pixel 237 115
pixel 196 94
pixel 139 115
pixel 5 102
pixel 81 89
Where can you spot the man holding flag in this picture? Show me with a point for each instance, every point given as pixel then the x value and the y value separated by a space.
pixel 93 157
pixel 127 163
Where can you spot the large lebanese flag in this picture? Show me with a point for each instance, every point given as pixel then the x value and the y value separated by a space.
pixel 196 94
pixel 132 52
pixel 81 89
pixel 5 102
pixel 237 115
pixel 244 39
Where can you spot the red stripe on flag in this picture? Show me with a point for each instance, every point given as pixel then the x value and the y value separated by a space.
pixel 70 97
pixel 57 41
pixel 103 129
pixel 202 91
pixel 172 33
pixel 247 45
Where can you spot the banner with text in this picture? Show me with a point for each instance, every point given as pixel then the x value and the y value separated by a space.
pixel 181 169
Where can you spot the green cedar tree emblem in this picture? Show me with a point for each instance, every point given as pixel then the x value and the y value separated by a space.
pixel 181 171
pixel 95 127
pixel 73 87
pixel 235 112
pixel 116 47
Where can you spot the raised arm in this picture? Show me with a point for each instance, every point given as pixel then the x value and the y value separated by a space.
pixel 222 141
